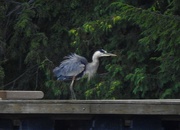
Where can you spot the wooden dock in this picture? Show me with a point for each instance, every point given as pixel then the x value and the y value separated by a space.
pixel 129 107
pixel 41 114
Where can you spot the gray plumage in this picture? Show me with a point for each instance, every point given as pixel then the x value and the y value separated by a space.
pixel 71 66
pixel 75 66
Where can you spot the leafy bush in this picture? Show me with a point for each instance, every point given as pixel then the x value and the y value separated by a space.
pixel 144 34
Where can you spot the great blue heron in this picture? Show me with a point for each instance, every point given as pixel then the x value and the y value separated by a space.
pixel 75 66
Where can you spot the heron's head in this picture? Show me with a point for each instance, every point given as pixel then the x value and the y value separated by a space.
pixel 102 53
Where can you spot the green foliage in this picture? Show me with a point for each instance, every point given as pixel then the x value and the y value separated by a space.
pixel 34 38
pixel 139 80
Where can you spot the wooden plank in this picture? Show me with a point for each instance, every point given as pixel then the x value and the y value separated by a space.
pixel 21 94
pixel 132 107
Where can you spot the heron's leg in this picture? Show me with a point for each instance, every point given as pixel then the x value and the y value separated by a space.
pixel 73 95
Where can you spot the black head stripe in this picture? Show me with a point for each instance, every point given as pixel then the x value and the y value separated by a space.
pixel 102 51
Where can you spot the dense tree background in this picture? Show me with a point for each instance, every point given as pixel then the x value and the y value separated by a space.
pixel 35 35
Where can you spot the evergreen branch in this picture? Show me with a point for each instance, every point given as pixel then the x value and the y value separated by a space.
pixel 14 81
pixel 37 74
pixel 15 9
pixel 11 1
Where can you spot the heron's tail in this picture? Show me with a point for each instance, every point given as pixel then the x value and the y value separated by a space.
pixel 64 78
pixel 58 74
pixel 56 71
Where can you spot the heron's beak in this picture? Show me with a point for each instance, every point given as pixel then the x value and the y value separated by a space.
pixel 109 54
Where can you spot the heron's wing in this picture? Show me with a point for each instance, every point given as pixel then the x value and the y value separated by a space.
pixel 73 65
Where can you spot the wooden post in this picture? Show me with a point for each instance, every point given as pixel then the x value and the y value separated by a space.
pixel 5 95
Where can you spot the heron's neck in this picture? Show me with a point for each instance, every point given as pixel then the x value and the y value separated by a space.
pixel 92 67
pixel 95 59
